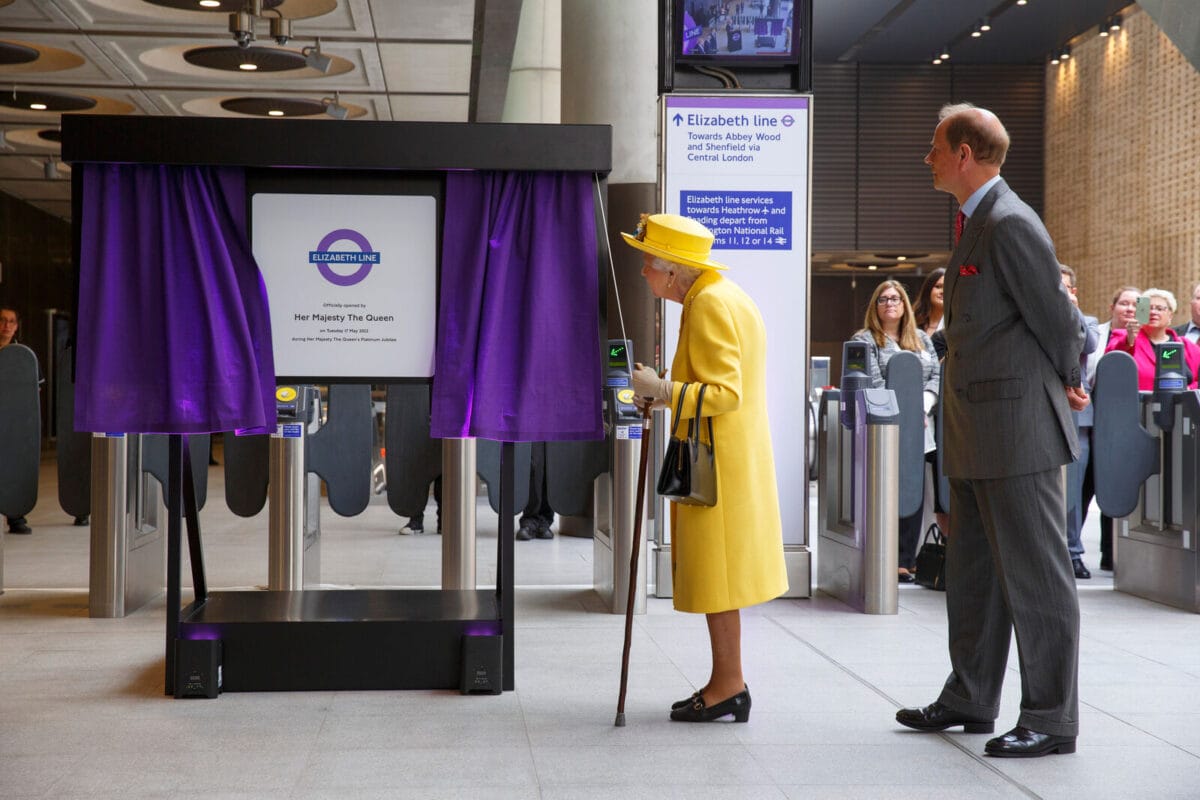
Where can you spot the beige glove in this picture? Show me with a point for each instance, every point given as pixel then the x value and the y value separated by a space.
pixel 646 383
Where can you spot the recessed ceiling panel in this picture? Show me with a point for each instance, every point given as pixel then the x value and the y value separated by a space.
pixel 424 19
pixel 175 59
pixel 438 68
pixel 190 12
pixel 430 108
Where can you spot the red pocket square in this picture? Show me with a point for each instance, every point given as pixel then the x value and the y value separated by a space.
pixel 968 269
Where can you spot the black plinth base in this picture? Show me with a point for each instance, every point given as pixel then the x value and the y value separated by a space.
pixel 342 639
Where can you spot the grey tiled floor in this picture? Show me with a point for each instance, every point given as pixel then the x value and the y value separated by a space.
pixel 82 712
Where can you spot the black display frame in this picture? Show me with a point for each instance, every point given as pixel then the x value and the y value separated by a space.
pixel 728 60
pixel 676 71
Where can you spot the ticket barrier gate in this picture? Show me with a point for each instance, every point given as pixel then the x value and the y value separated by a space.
pixel 862 491
pixel 614 498
pixel 128 545
pixel 1146 466
pixel 294 516
pixel 20 436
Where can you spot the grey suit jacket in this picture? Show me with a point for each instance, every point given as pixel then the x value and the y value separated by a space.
pixel 1013 341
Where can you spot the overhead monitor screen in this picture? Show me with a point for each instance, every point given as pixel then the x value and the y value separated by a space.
pixel 351 281
pixel 759 30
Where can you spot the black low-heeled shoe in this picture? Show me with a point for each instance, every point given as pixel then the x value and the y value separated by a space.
pixel 685 702
pixel 738 705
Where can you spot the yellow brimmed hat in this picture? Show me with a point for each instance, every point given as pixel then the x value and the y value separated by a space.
pixel 675 238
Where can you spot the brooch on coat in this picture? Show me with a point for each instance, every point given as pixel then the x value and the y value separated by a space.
pixel 968 269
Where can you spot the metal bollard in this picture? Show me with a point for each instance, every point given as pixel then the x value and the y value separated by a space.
pixel 458 513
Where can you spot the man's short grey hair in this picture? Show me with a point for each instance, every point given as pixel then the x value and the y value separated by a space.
pixel 1069 272
pixel 1165 295
pixel 686 273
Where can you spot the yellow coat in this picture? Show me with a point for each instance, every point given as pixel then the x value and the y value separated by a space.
pixel 729 555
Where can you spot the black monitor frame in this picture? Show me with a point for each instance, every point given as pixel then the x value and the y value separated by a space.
pixel 786 72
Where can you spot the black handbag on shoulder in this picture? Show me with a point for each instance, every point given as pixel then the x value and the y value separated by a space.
pixel 931 560
pixel 689 473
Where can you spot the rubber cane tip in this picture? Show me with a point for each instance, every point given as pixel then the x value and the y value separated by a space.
pixel 620 721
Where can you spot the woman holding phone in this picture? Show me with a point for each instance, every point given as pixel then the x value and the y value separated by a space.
pixel 1151 326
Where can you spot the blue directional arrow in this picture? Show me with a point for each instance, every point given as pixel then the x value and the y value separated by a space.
pixel 678 118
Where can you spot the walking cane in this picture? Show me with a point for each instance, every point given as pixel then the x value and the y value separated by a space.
pixel 639 506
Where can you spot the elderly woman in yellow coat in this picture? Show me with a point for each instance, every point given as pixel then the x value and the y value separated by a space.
pixel 730 555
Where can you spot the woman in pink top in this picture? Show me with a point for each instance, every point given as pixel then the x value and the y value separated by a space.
pixel 1139 340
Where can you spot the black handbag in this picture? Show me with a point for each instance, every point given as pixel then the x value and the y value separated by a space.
pixel 931 560
pixel 689 473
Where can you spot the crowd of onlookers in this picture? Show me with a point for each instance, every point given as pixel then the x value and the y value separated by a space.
pixel 1136 321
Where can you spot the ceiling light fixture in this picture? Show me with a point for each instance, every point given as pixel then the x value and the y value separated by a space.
pixel 281 30
pixel 315 59
pixel 1103 30
pixel 1066 52
pixel 937 60
pixel 248 66
pixel 334 107
pixel 945 54
pixel 976 33
pixel 275 112
pixel 38 106
pixel 1114 24
pixel 1021 2
pixel 210 3
pixel 984 25
pixel 1054 60
pixel 241 25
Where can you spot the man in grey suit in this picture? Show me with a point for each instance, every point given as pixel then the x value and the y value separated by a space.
pixel 1012 378
pixel 1190 330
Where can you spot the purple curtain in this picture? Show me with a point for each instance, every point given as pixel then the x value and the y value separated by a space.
pixel 174 334
pixel 518 356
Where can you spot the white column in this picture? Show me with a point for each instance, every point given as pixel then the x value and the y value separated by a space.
pixel 535 77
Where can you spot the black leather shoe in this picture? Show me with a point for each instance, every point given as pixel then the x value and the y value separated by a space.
pixel 906 577
pixel 19 527
pixel 1106 563
pixel 1024 743
pixel 81 521
pixel 936 717
pixel 738 705
pixel 524 533
pixel 685 702
pixel 1081 571
pixel 544 532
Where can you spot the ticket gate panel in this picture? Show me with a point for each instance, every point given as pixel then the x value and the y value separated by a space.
pixel 1156 551
pixel 73 449
pixel 615 492
pixel 294 532
pixel 128 545
pixel 858 490
pixel 1124 454
pixel 20 430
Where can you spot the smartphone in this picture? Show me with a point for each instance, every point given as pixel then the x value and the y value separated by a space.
pixel 1142 314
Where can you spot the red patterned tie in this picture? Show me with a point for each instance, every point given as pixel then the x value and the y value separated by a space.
pixel 960 222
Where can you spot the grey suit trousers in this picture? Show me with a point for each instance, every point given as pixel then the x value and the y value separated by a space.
pixel 1007 569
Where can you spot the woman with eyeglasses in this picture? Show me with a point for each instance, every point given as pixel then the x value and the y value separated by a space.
pixel 1139 340
pixel 890 327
